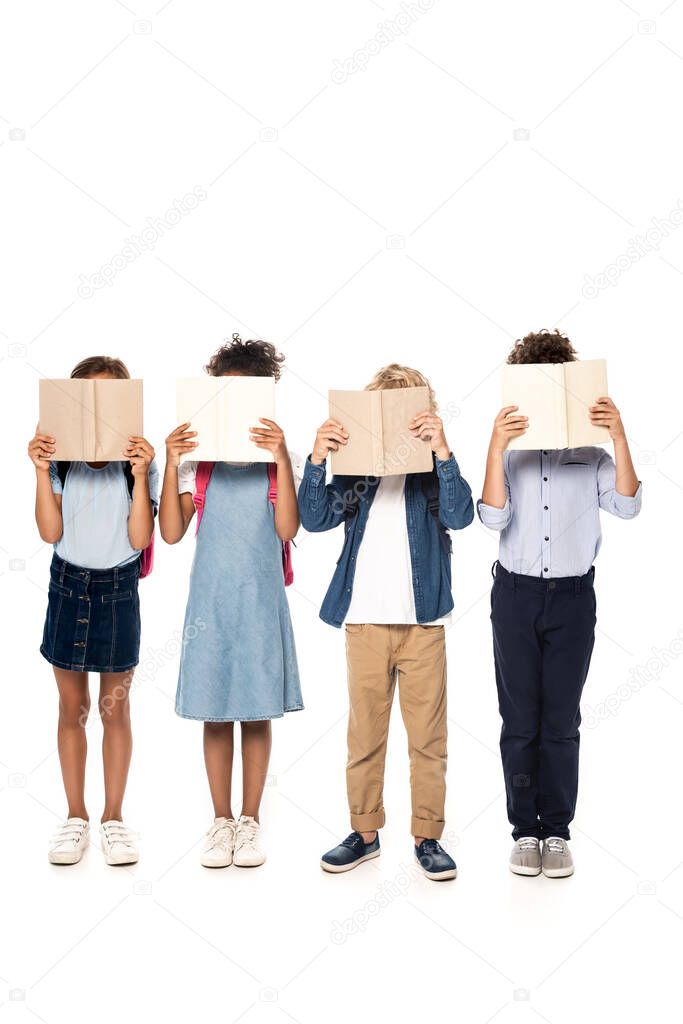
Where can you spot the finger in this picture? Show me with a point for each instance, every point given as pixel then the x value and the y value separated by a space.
pixel 422 416
pixel 43 437
pixel 335 425
pixel 506 410
pixel 271 423
pixel 333 436
pixel 267 431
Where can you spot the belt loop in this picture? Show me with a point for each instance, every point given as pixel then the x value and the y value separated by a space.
pixel 61 572
pixel 513 577
pixel 577 585
pixel 116 577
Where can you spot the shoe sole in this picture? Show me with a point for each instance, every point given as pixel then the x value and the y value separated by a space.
pixel 558 872
pixel 520 869
pixel 215 866
pixel 440 876
pixel 255 864
pixel 337 869
pixel 65 858
pixel 119 862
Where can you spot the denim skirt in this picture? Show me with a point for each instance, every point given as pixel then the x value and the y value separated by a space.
pixel 93 618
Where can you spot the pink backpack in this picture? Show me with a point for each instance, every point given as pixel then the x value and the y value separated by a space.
pixel 204 471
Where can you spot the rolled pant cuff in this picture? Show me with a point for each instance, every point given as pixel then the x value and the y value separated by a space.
pixel 426 828
pixel 367 822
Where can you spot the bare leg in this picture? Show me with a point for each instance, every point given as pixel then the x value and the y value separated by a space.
pixel 218 751
pixel 117 741
pixel 72 744
pixel 256 744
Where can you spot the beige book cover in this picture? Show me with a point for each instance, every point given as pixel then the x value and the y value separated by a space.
pixel 91 420
pixel 380 443
pixel 556 397
pixel 222 410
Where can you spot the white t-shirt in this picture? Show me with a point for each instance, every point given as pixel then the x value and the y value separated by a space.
pixel 383 581
pixel 187 473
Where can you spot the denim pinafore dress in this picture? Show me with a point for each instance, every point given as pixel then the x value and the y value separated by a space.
pixel 238 660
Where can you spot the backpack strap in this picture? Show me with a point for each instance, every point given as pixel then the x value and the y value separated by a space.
pixel 204 471
pixel 287 567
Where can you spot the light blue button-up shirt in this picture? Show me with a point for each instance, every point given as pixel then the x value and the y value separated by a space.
pixel 550 524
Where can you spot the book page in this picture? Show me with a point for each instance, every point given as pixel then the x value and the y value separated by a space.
pixel 199 402
pixel 222 410
pixel 585 381
pixel 403 452
pixel 360 412
pixel 67 413
pixel 538 390
pixel 118 416
pixel 246 400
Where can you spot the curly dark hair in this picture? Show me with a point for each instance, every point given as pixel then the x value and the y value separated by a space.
pixel 543 347
pixel 251 358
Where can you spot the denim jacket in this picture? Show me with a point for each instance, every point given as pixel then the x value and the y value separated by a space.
pixel 348 499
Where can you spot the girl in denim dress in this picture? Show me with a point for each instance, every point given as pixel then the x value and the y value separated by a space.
pixel 238 661
pixel 99 517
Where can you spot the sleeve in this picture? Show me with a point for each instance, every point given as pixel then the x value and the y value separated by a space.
pixel 187 476
pixel 623 506
pixel 54 478
pixel 321 505
pixel 455 495
pixel 298 464
pixel 497 518
pixel 153 478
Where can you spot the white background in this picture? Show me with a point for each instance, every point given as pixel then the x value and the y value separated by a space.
pixel 391 213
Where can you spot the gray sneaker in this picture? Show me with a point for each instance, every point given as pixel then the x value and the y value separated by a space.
pixel 525 858
pixel 557 860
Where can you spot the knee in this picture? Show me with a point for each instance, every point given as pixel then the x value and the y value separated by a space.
pixel 115 711
pixel 73 715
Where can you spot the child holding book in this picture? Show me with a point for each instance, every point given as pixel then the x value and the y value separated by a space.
pixel 546 505
pixel 99 516
pixel 241 665
pixel 392 590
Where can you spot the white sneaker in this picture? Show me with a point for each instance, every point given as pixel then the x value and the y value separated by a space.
pixel 118 843
pixel 220 844
pixel 248 853
pixel 69 842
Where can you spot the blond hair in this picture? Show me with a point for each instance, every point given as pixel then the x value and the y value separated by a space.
pixel 397 376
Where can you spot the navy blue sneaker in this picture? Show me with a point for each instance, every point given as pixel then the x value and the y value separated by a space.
pixel 350 853
pixel 434 861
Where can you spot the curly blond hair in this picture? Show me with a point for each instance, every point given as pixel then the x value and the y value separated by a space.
pixel 396 376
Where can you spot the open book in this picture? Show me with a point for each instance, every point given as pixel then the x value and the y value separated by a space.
pixel 380 443
pixel 91 420
pixel 556 397
pixel 222 410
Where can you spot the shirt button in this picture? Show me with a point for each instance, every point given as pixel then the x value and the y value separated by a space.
pixel 546 538
pixel 545 453
pixel 545 478
pixel 545 508
pixel 545 570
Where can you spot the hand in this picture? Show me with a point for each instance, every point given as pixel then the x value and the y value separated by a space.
pixel 328 439
pixel 140 454
pixel 605 414
pixel 506 427
pixel 41 449
pixel 271 438
pixel 178 443
pixel 429 427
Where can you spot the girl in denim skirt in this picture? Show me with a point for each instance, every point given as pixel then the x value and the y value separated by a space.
pixel 99 517
pixel 238 661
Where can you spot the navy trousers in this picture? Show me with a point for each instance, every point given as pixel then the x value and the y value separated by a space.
pixel 543 634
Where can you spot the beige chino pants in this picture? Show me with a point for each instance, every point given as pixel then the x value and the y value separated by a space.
pixel 378 657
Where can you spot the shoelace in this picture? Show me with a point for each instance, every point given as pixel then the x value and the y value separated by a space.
pixel 68 833
pixel 247 834
pixel 220 835
pixel 353 840
pixel 528 843
pixel 118 834
pixel 431 846
pixel 555 845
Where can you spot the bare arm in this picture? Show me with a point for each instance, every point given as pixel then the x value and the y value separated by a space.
pixel 272 439
pixel 48 504
pixel 605 414
pixel 141 516
pixel 176 510
pixel 505 427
